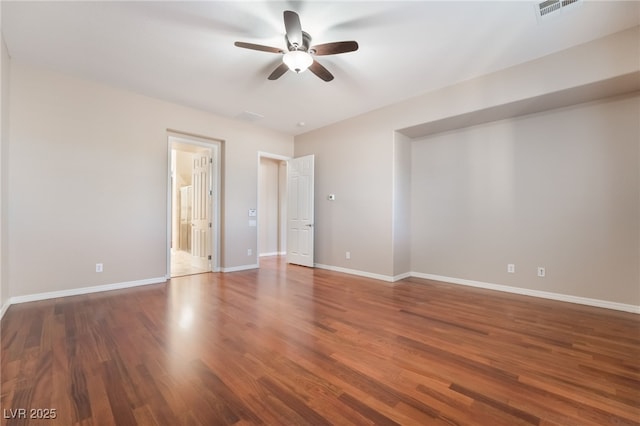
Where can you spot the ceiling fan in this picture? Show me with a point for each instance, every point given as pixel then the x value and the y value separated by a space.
pixel 299 54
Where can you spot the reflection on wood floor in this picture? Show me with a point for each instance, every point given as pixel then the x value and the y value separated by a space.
pixel 287 345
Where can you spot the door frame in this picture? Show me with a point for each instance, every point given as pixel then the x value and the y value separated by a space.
pixel 215 147
pixel 283 219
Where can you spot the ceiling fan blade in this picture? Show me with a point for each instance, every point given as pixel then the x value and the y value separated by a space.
pixel 293 27
pixel 320 71
pixel 277 73
pixel 334 48
pixel 258 47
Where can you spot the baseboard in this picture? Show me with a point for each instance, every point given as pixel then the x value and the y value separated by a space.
pixel 380 277
pixel 402 276
pixel 275 253
pixel 479 284
pixel 240 268
pixel 535 293
pixel 84 290
pixel 489 286
pixel 3 308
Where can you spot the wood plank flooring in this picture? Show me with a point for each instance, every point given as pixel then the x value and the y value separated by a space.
pixel 288 345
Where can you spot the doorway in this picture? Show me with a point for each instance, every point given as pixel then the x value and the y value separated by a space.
pixel 272 205
pixel 193 219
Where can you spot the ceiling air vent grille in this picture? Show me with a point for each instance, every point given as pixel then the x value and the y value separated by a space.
pixel 554 7
pixel 249 116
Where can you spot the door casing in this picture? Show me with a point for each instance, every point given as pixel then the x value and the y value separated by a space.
pixel 283 218
pixel 214 146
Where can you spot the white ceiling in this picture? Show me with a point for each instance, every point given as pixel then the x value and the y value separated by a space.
pixel 183 51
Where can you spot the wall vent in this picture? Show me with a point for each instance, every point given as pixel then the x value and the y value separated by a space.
pixel 548 8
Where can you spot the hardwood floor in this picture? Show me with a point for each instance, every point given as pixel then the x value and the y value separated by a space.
pixel 290 345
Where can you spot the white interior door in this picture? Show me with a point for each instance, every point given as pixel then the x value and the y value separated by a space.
pixel 185 215
pixel 200 223
pixel 300 211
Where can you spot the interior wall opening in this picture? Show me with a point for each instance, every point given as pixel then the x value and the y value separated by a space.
pixel 193 226
pixel 272 205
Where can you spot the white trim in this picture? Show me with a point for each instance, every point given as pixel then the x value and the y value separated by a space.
pixel 535 293
pixel 4 308
pixel 489 286
pixel 380 277
pixel 275 253
pixel 387 278
pixel 402 276
pixel 273 156
pixel 240 268
pixel 85 290
pixel 497 287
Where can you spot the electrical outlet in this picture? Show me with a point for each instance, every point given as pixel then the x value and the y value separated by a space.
pixel 99 267
pixel 541 272
pixel 347 255
pixel 511 268
pixel 249 252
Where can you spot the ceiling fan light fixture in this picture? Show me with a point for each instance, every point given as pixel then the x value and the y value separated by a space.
pixel 297 60
pixel 299 54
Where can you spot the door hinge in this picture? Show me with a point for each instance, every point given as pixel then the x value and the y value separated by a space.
pixel 210 160
pixel 209 224
pixel 209 257
pixel 211 192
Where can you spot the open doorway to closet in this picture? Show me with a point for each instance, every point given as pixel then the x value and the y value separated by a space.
pixel 272 205
pixel 194 206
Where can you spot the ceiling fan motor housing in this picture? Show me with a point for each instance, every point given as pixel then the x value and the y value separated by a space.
pixel 306 42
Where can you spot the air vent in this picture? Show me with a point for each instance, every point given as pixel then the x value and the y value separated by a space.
pixel 549 6
pixel 554 7
pixel 249 116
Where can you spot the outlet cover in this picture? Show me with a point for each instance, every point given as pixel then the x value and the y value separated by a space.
pixel 541 272
pixel 511 268
pixel 99 267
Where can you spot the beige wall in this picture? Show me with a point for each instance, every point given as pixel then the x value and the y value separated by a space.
pixel 4 181
pixel 352 161
pixel 362 159
pixel 88 181
pixel 557 189
pixel 401 205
